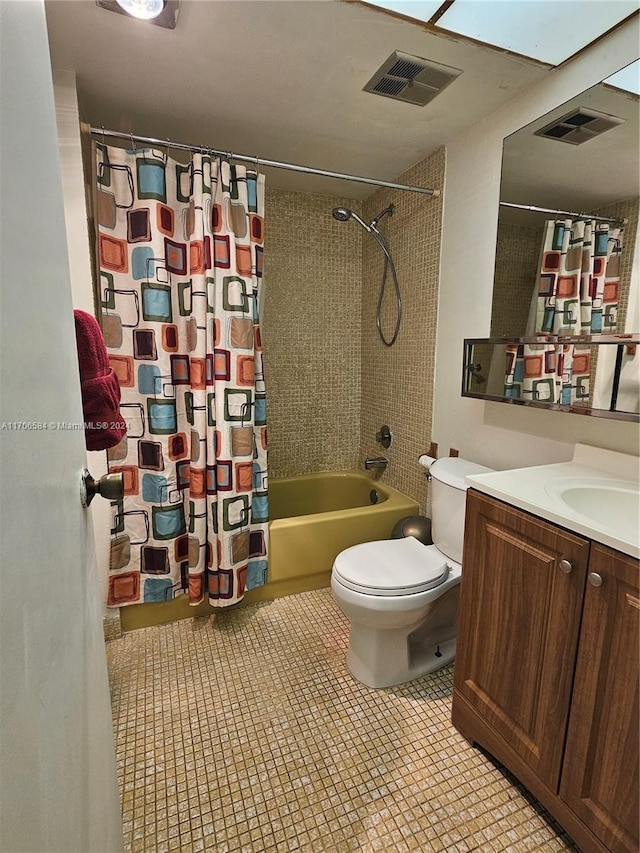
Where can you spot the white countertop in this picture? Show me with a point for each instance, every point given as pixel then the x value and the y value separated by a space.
pixel 597 494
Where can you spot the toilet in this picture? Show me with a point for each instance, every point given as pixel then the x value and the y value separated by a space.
pixel 402 596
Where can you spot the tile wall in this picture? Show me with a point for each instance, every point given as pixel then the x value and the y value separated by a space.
pixel 313 274
pixel 516 274
pixel 397 382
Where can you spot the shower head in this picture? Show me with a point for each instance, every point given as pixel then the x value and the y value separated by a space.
pixel 342 214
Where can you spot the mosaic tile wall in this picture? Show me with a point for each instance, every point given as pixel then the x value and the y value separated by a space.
pixel 397 382
pixel 313 274
pixel 516 274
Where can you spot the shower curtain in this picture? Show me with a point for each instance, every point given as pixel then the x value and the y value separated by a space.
pixel 577 294
pixel 180 254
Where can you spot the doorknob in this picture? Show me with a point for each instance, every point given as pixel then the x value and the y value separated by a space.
pixel 109 486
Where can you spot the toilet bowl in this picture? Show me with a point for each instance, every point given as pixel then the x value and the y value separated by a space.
pixel 401 596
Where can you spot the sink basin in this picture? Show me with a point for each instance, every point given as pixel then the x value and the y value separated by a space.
pixel 613 504
pixel 596 494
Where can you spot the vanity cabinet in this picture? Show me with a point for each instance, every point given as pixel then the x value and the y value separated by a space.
pixel 546 674
pixel 600 776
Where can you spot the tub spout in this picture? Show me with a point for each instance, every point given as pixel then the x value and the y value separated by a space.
pixel 376 462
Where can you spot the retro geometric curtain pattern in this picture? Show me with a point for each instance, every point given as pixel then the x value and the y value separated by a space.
pixel 577 293
pixel 180 251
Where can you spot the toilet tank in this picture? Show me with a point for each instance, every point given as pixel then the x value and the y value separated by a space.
pixel 448 496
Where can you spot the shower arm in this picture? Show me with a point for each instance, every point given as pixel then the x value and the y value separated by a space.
pixel 388 211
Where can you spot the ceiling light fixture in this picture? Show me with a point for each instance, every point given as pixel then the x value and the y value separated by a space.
pixel 146 9
pixel 162 13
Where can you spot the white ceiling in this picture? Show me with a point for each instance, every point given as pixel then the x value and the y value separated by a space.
pixel 281 80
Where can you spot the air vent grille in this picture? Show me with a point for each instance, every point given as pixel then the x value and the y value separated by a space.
pixel 579 126
pixel 389 86
pixel 404 68
pixel 411 79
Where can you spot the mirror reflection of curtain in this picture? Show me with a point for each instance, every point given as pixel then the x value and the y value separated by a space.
pixel 577 294
pixel 180 253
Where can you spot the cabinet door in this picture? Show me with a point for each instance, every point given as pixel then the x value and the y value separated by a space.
pixel 600 775
pixel 518 628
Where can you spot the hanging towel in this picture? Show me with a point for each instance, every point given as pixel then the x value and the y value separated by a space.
pixel 104 426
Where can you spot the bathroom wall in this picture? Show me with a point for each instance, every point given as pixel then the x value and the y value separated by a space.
pixel 313 275
pixel 516 275
pixel 397 381
pixel 331 381
pixel 493 433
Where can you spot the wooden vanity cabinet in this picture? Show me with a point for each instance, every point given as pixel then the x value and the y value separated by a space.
pixel 546 674
pixel 600 774
pixel 518 628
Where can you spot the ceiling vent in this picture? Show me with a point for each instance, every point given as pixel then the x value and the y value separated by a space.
pixel 579 126
pixel 411 79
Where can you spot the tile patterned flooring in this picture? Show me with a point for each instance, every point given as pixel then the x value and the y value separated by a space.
pixel 243 732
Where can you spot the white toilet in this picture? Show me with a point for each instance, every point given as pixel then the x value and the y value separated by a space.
pixel 402 596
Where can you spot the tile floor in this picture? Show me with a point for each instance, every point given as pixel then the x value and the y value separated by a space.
pixel 244 731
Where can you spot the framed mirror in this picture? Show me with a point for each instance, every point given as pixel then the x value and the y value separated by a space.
pixel 565 247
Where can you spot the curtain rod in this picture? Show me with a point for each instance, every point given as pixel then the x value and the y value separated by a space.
pixel 260 161
pixel 564 212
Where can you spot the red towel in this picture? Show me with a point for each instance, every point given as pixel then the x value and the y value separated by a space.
pixel 104 425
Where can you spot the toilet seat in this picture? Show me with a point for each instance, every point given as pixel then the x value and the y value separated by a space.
pixel 390 567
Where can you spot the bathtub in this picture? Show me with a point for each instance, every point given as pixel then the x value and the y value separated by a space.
pixel 315 516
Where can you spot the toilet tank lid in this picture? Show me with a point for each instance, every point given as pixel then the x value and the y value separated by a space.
pixel 451 470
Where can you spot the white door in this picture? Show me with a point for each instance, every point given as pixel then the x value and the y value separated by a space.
pixel 58 786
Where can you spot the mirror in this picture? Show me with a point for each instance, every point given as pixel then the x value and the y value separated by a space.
pixel 580 158
pixel 524 371
pixel 599 176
